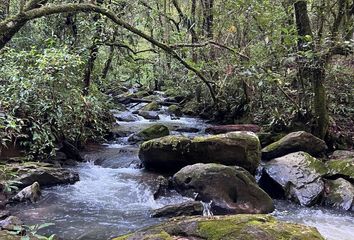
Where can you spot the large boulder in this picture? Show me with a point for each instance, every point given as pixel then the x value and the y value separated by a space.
pixel 233 128
pixel 339 194
pixel 341 167
pixel 190 208
pixel 171 153
pixel 231 189
pixel 294 142
pixel 45 174
pixel 154 131
pixel 234 227
pixel 296 176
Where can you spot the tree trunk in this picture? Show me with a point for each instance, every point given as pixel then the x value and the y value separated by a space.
pixel 313 70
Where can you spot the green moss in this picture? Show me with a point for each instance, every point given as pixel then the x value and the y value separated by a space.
pixel 155 131
pixel 316 164
pixel 153 106
pixel 174 109
pixel 343 167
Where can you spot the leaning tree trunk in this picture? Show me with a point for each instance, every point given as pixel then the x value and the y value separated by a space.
pixel 313 70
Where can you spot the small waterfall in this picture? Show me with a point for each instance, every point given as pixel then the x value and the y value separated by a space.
pixel 207 209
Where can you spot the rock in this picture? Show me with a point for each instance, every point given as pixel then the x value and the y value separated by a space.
pixel 190 208
pixel 31 193
pixel 71 151
pixel 10 223
pixel 4 214
pixel 267 138
pixel 234 227
pixel 122 157
pixel 43 173
pixel 341 167
pixel 160 186
pixel 151 115
pixel 233 128
pixel 231 189
pixel 295 142
pixel 342 154
pixel 154 131
pixel 153 106
pixel 8 235
pixel 126 117
pixel 296 176
pixel 339 194
pixel 187 129
pixel 171 153
pixel 175 110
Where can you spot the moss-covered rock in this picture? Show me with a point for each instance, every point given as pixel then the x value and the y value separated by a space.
pixel 45 174
pixel 231 189
pixel 294 142
pixel 296 176
pixel 235 227
pixel 154 131
pixel 151 115
pixel 175 110
pixel 153 106
pixel 174 152
pixel 191 108
pixel 341 167
pixel 339 194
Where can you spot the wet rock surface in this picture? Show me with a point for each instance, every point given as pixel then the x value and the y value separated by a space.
pixel 296 176
pixel 231 189
pixel 190 208
pixel 339 194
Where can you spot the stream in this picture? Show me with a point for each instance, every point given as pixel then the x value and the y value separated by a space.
pixel 111 200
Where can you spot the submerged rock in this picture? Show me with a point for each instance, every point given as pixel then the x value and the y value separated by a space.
pixel 151 115
pixel 43 173
pixel 339 194
pixel 294 142
pixel 341 167
pixel 233 128
pixel 126 117
pixel 296 176
pixel 31 193
pixel 190 208
pixel 171 153
pixel 235 227
pixel 231 189
pixel 155 131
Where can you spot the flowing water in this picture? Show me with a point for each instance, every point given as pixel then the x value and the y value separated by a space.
pixel 110 200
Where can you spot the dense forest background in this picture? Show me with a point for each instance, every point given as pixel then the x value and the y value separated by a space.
pixel 286 65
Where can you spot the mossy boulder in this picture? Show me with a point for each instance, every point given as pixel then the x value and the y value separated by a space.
pixel 171 153
pixel 231 189
pixel 175 110
pixel 339 194
pixel 153 106
pixel 45 174
pixel 295 142
pixel 296 176
pixel 234 227
pixel 154 131
pixel 341 167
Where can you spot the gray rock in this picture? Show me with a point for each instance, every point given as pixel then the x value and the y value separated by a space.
pixel 126 117
pixel 31 193
pixel 151 115
pixel 296 176
pixel 10 223
pixel 155 131
pixel 295 142
pixel 339 194
pixel 231 189
pixel 190 208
